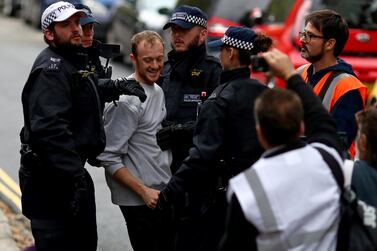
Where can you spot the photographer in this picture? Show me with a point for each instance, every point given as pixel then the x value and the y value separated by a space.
pixel 225 142
pixel 288 200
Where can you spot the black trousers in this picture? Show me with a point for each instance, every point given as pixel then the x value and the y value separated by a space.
pixel 148 229
pixel 68 233
pixel 201 223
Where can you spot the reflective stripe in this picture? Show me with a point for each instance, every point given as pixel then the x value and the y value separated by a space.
pixel 330 91
pixel 275 241
pixel 265 208
pixel 306 238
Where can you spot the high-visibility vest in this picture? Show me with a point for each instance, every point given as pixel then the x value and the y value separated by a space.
pixel 340 85
pixel 292 199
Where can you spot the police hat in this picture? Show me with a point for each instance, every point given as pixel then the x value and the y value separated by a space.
pixel 187 17
pixel 89 14
pixel 237 37
pixel 58 12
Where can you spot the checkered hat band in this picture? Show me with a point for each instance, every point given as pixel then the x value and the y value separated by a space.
pixel 190 19
pixel 48 20
pixel 239 44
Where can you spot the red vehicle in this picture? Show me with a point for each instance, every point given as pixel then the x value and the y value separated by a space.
pixel 282 20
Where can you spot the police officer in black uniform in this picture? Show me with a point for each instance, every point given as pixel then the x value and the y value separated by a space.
pixel 62 129
pixel 225 142
pixel 95 48
pixel 188 78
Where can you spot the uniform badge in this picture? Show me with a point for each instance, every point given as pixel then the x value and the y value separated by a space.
pixel 54 64
pixel 196 72
pixel 191 98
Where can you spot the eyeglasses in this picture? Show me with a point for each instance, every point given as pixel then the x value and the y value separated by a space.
pixel 308 36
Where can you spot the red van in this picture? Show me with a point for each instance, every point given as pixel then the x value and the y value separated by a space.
pixel 283 19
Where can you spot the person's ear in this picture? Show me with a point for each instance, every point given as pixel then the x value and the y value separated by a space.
pixel 362 144
pixel 330 44
pixel 133 58
pixel 261 138
pixel 232 52
pixel 203 36
pixel 49 34
pixel 302 128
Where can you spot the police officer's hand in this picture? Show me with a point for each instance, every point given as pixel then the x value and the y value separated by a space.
pixel 164 138
pixel 79 195
pixel 163 202
pixel 173 132
pixel 280 64
pixel 130 87
pixel 165 135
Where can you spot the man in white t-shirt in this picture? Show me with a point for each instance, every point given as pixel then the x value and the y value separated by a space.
pixel 136 167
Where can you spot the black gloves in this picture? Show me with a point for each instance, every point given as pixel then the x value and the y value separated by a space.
pixel 163 202
pixel 174 132
pixel 80 195
pixel 130 87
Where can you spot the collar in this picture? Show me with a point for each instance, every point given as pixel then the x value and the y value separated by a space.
pixel 314 78
pixel 73 55
pixel 282 149
pixel 227 76
pixel 185 61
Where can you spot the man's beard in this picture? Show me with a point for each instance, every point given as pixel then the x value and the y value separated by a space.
pixel 58 42
pixel 192 45
pixel 315 58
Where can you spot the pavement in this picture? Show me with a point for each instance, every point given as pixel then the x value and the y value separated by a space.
pixel 6 241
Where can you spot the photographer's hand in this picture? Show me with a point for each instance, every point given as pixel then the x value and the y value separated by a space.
pixel 280 64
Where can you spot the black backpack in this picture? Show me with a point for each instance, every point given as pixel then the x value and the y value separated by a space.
pixel 358 220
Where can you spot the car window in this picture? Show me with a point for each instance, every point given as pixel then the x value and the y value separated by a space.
pixel 227 9
pixel 235 10
pixel 156 4
pixel 277 11
pixel 359 14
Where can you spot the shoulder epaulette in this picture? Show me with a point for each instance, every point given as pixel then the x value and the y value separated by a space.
pixel 54 64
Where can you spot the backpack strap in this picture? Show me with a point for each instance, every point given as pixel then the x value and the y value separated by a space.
pixel 326 85
pixel 334 166
pixel 348 170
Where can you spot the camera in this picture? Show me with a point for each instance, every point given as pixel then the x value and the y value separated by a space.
pixel 258 64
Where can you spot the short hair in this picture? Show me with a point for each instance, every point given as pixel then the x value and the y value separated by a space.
pixel 51 27
pixel 279 113
pixel 147 35
pixel 367 122
pixel 262 43
pixel 332 25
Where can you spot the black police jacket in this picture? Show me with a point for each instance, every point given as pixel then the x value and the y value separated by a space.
pixel 187 80
pixel 225 133
pixel 63 127
pixel 185 76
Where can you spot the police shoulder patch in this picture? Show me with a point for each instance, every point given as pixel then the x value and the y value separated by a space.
pixel 54 64
pixel 196 72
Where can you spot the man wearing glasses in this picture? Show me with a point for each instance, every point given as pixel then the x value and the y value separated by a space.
pixel 333 80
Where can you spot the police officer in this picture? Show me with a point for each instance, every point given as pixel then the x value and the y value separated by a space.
pixel 188 78
pixel 225 140
pixel 62 129
pixel 92 47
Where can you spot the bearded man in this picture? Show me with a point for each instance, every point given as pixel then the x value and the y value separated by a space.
pixel 333 80
pixel 63 128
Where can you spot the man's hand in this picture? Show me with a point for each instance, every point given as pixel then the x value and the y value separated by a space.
pixel 280 64
pixel 130 87
pixel 150 197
